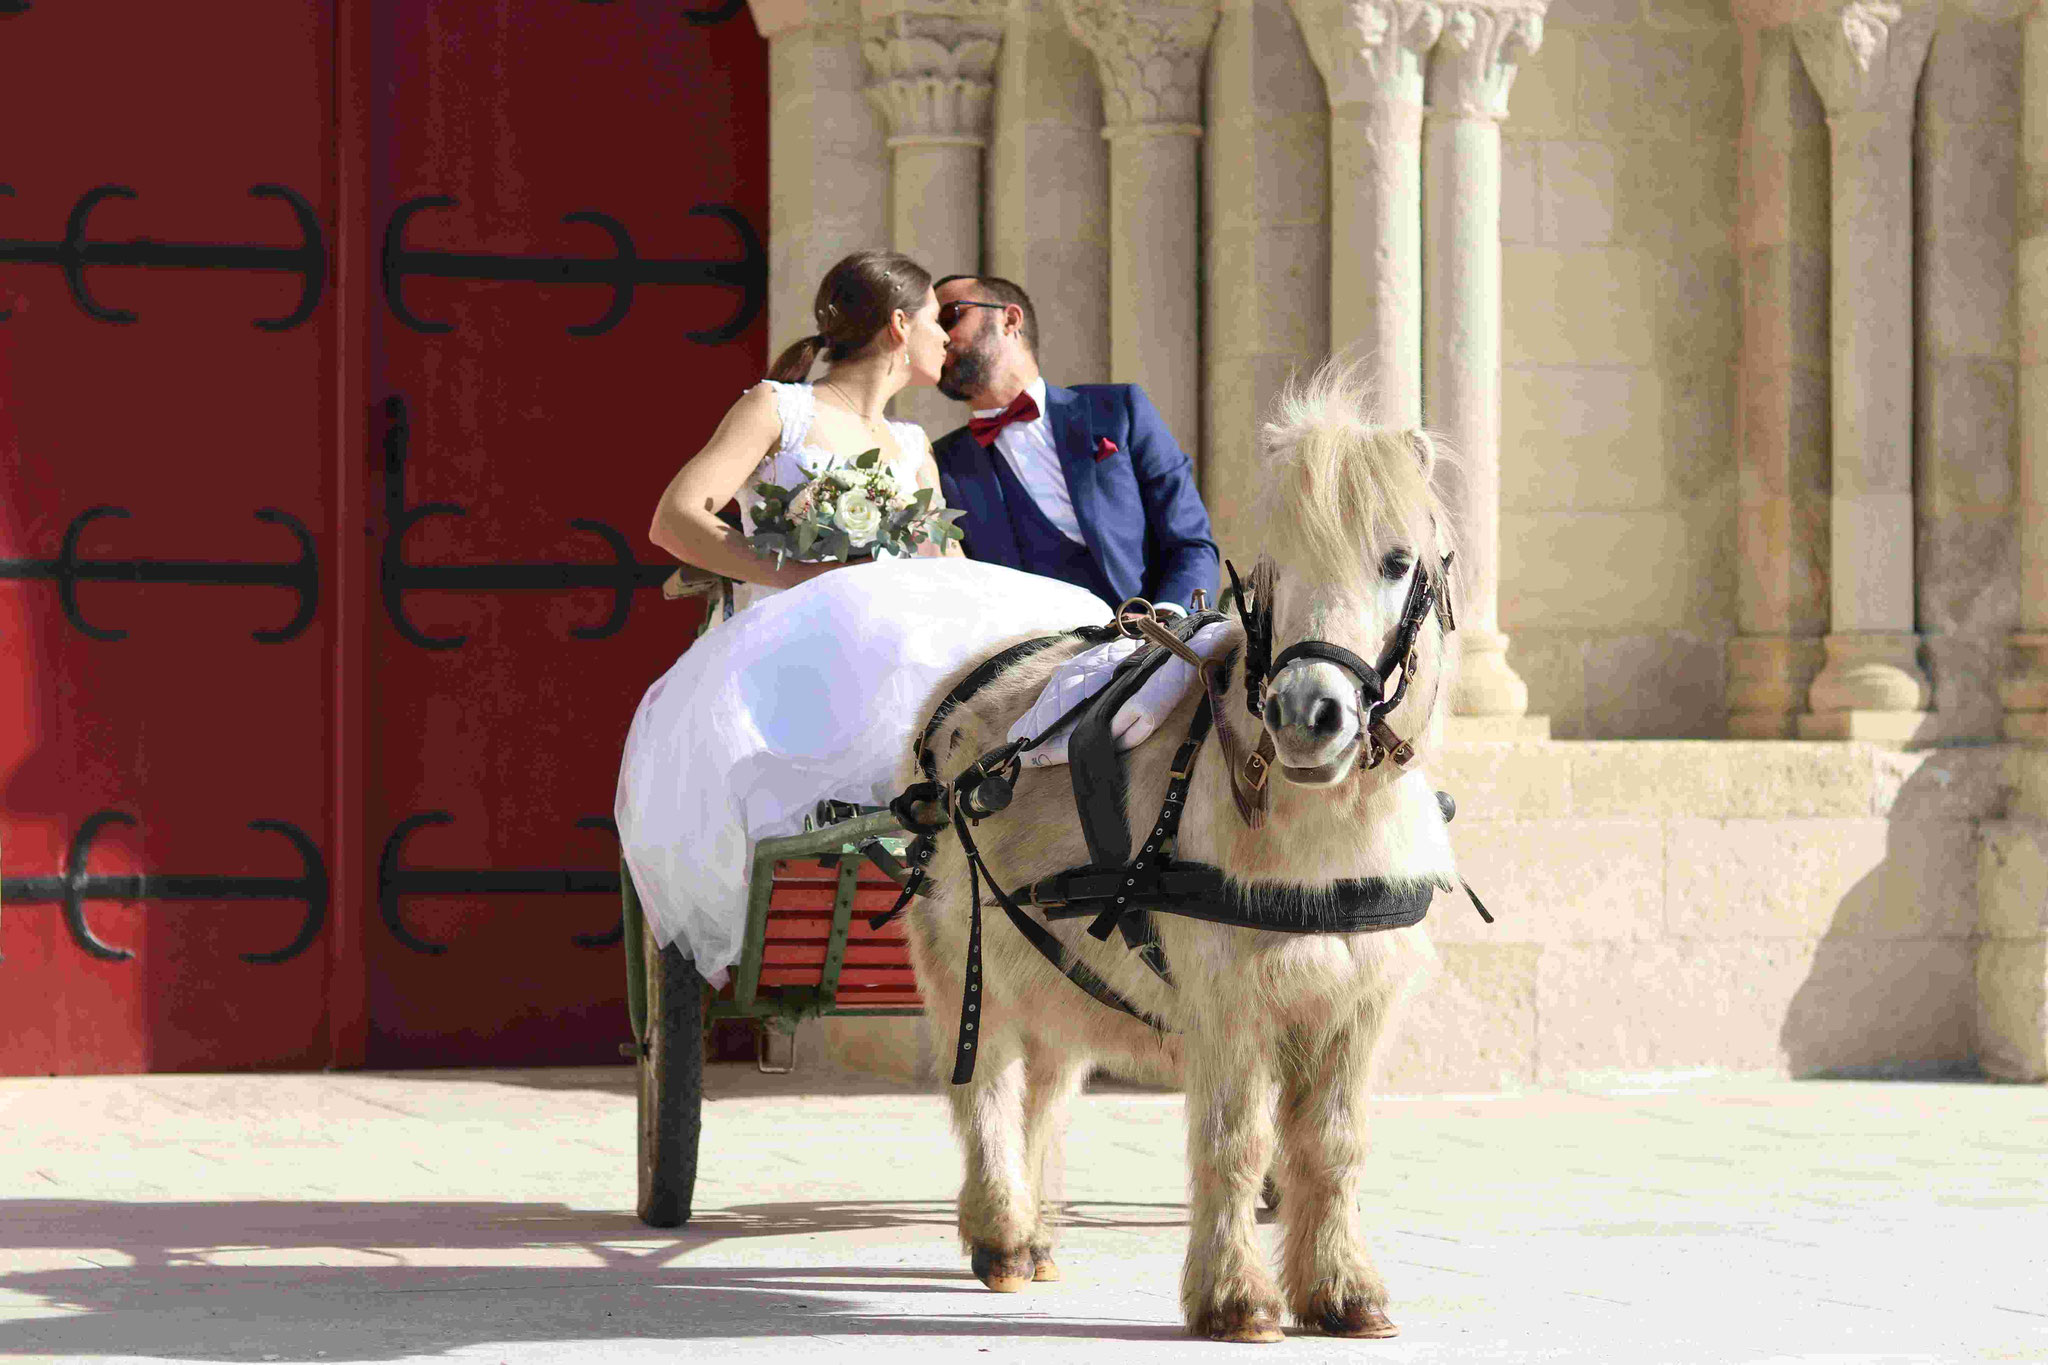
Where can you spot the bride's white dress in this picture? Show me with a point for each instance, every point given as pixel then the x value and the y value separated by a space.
pixel 802 695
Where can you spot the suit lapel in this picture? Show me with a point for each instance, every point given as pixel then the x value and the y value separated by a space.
pixel 990 537
pixel 1073 437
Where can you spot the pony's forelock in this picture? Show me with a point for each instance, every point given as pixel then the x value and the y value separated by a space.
pixel 1336 485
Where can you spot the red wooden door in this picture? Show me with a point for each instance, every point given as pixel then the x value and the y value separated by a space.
pixel 572 289
pixel 293 691
pixel 164 535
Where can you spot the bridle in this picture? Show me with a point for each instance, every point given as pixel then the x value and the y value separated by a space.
pixel 1379 693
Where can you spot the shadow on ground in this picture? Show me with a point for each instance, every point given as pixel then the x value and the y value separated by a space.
pixel 242 1281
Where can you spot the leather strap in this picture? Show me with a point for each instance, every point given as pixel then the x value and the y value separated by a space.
pixel 989 669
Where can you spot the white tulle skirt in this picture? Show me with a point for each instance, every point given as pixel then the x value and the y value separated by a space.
pixel 807 694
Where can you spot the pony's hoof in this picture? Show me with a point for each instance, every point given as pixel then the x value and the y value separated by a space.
pixel 1044 1270
pixel 1006 1272
pixel 1356 1318
pixel 1240 1322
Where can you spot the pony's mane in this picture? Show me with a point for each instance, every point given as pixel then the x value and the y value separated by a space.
pixel 1335 481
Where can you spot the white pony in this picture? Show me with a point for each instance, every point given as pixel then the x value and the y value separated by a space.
pixel 1275 1031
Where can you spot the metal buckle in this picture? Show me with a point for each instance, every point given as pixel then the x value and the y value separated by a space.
pixel 1133 609
pixel 1255 771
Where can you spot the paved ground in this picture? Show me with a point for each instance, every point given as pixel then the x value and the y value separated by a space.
pixel 486 1217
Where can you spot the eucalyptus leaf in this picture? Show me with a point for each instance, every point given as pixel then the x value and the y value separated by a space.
pixel 806 536
pixel 868 459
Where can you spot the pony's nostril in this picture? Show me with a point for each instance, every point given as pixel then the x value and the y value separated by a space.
pixel 1326 719
pixel 1274 721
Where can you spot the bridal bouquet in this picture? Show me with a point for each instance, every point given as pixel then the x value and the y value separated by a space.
pixel 845 511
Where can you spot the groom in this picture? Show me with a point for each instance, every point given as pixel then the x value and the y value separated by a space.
pixel 1083 484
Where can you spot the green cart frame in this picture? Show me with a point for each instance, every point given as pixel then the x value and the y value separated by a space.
pixel 775 982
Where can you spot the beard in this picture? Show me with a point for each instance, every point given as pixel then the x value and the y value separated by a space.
pixel 967 372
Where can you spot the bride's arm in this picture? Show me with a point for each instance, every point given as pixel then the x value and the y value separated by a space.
pixel 928 477
pixel 686 520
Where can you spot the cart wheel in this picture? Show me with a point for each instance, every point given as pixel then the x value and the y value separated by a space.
pixel 671 1086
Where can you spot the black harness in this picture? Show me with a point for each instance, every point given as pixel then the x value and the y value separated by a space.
pixel 1117 890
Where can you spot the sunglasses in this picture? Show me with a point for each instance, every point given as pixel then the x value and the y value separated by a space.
pixel 951 313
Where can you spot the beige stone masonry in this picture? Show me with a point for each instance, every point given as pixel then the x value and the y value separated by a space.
pixel 1266 247
pixel 1865 59
pixel 2025 688
pixel 1471 71
pixel 932 67
pixel 1801 908
pixel 1149 55
pixel 1966 570
pixel 827 154
pixel 1783 473
pixel 1047 221
pixel 1373 56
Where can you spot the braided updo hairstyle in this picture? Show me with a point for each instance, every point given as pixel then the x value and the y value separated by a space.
pixel 855 302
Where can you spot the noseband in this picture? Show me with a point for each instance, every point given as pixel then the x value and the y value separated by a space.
pixel 1378 692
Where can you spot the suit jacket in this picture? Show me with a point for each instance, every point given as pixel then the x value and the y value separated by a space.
pixel 1138 508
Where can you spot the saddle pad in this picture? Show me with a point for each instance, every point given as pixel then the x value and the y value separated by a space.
pixel 1082 676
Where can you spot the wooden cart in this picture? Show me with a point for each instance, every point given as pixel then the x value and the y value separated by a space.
pixel 808 952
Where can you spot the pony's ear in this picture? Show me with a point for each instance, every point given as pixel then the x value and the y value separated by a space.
pixel 1424 447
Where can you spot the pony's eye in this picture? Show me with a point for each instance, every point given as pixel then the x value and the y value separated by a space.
pixel 1396 565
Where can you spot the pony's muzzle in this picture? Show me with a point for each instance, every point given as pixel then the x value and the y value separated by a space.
pixel 1312 713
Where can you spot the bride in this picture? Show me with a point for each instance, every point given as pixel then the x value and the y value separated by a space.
pixel 813 688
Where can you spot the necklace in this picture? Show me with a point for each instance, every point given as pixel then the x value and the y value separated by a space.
pixel 839 396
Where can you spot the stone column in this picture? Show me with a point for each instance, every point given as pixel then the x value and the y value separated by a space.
pixel 2024 690
pixel 1865 60
pixel 1473 66
pixel 1372 55
pixel 1265 245
pixel 1149 55
pixel 933 75
pixel 1781 439
pixel 828 168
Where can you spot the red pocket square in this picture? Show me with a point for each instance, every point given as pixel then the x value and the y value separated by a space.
pixel 1104 448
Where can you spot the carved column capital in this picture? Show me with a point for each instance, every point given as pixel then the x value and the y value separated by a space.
pixel 1370 51
pixel 933 74
pixel 1476 56
pixel 1865 56
pixel 1149 54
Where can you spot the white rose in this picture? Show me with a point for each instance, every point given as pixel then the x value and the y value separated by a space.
pixel 859 517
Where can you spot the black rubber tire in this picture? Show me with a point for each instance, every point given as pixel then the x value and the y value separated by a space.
pixel 671 1087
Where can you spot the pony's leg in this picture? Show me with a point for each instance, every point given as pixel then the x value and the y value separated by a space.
pixel 1226 1292
pixel 1329 1276
pixel 1052 1077
pixel 998 1207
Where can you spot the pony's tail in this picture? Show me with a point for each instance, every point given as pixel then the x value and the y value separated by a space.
pixel 793 366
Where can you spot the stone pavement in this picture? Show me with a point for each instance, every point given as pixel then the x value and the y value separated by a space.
pixel 486 1216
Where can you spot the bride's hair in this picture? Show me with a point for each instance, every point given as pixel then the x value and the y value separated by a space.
pixel 855 302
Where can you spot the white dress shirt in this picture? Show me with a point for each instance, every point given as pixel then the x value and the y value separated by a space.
pixel 1036 462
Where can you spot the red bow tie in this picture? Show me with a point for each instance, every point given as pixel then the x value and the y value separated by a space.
pixel 1021 409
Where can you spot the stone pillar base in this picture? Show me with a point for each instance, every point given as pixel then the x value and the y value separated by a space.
pixel 1486 686
pixel 2024 689
pixel 1884 727
pixel 1768 679
pixel 2012 951
pixel 1870 671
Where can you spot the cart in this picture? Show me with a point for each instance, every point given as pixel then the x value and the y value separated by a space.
pixel 809 951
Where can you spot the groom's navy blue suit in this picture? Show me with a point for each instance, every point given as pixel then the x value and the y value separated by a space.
pixel 1146 531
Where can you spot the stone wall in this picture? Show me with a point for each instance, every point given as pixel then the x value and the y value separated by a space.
pixel 1804 909
pixel 1622 321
